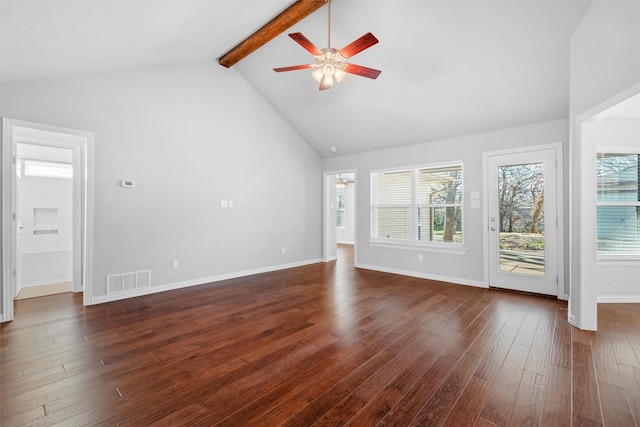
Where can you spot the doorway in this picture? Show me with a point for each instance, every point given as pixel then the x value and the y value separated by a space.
pixel 522 221
pixel 339 213
pixel 44 215
pixel 43 220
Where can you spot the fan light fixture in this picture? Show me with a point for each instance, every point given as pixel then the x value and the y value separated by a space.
pixel 331 64
pixel 340 182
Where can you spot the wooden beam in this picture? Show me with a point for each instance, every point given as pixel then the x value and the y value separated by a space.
pixel 293 14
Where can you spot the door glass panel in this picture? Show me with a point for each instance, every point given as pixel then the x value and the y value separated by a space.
pixel 521 218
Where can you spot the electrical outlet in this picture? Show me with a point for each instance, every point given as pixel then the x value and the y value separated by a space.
pixel 420 257
pixel 284 251
pixel 176 263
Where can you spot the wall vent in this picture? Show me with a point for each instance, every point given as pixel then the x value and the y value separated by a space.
pixel 123 282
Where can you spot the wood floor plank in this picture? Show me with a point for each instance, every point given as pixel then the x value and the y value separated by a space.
pixel 528 401
pixel 586 402
pixel 631 384
pixel 501 401
pixel 557 398
pixel 615 406
pixel 322 344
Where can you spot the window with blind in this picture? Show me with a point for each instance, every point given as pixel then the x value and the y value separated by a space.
pixel 618 204
pixel 418 205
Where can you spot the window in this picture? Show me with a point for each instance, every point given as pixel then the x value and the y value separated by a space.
pixel 48 169
pixel 418 205
pixel 340 209
pixel 618 204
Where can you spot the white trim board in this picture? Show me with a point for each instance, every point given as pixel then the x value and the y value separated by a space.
pixel 196 282
pixel 421 275
pixel 618 299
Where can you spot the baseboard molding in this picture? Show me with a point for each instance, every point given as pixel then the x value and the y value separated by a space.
pixel 619 299
pixel 420 275
pixel 195 282
pixel 572 320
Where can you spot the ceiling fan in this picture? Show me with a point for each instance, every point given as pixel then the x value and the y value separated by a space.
pixel 330 64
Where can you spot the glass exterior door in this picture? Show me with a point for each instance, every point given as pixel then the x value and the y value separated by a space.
pixel 522 221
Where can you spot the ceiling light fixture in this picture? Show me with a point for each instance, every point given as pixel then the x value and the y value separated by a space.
pixel 331 64
pixel 340 182
pixel 329 67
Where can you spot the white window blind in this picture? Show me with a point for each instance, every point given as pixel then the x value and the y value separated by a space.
pixel 393 197
pixel 618 203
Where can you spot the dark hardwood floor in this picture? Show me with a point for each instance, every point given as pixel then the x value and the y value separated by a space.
pixel 324 344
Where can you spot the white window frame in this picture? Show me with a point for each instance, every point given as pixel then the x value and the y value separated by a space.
pixel 456 248
pixel 614 257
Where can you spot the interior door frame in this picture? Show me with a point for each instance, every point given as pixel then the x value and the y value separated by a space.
pixel 560 255
pixel 83 165
pixel 329 228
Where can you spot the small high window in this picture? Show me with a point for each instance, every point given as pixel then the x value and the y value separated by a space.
pixel 48 169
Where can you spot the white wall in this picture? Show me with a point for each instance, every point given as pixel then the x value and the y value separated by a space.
pixel 346 234
pixel 47 258
pixel 189 136
pixel 605 61
pixel 464 269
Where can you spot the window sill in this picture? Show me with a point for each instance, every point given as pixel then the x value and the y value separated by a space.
pixel 618 260
pixel 451 249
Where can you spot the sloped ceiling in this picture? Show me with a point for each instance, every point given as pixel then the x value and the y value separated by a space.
pixel 449 67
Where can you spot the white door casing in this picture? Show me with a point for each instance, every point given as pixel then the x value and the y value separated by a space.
pixel 519 259
pixel 81 143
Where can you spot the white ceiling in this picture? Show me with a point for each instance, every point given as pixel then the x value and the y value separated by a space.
pixel 449 67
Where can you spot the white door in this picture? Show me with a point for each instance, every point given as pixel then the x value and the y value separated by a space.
pixel 522 221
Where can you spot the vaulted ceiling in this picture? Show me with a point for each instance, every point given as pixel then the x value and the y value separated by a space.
pixel 449 67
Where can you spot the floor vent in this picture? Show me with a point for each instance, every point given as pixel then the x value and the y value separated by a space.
pixel 128 281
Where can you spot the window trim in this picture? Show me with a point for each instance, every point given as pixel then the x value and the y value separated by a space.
pixel 457 248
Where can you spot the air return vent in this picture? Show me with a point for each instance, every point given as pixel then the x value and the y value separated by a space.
pixel 124 282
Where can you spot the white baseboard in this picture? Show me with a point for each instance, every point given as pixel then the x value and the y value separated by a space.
pixel 621 299
pixel 195 282
pixel 572 320
pixel 420 275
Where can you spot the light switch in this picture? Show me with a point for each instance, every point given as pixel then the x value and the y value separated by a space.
pixel 224 203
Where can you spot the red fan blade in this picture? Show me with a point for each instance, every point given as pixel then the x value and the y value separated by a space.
pixel 359 45
pixel 292 68
pixel 305 43
pixel 359 70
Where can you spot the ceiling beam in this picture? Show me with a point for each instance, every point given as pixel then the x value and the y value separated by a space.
pixel 293 14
